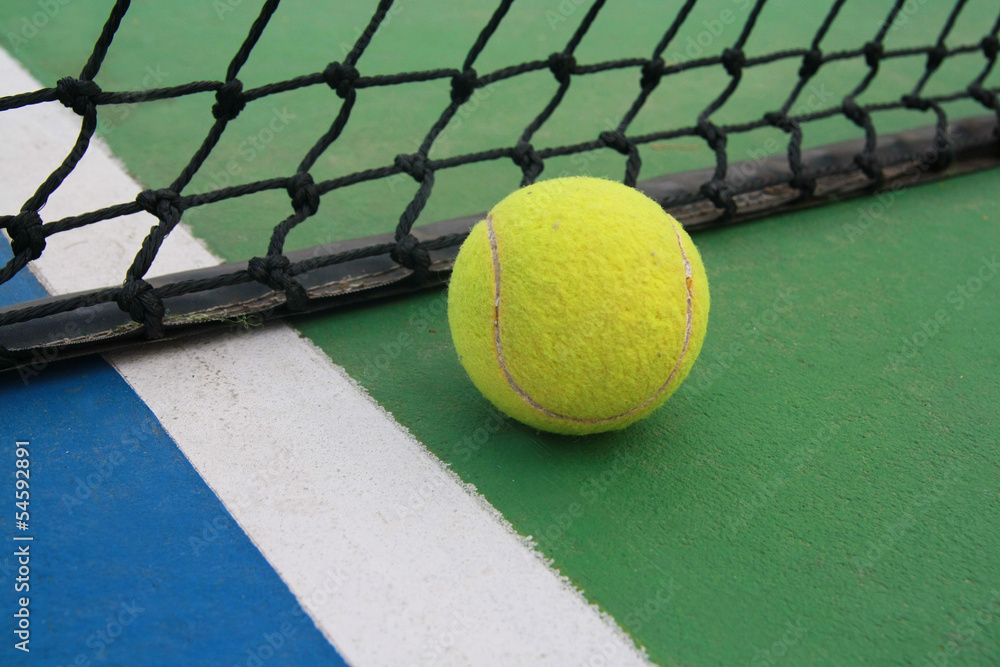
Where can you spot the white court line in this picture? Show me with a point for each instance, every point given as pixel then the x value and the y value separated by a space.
pixel 398 562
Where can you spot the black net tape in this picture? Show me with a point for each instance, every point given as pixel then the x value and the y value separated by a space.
pixel 275 270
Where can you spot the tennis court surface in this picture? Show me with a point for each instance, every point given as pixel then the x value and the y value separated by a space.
pixel 328 487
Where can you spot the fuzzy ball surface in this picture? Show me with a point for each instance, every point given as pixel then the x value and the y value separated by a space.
pixel 578 305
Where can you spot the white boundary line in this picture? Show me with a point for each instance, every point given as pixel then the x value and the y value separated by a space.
pixel 397 561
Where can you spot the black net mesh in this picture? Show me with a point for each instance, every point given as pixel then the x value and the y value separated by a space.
pixel 144 303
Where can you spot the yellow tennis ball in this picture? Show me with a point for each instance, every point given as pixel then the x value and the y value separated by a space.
pixel 578 305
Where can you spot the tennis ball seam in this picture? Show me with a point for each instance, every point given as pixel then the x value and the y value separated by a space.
pixel 534 404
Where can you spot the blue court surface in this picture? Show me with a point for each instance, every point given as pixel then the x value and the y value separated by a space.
pixel 133 558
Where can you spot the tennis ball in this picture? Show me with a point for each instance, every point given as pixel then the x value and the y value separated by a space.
pixel 578 305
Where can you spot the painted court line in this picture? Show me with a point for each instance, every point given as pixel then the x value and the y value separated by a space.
pixel 396 560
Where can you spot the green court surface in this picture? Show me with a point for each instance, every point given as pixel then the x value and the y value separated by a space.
pixel 825 486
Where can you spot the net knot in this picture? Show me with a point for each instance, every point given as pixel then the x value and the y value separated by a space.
pixel 414 164
pixel 408 253
pixel 710 132
pixel 983 96
pixel 733 60
pixel 855 113
pixel 873 53
pixel 229 100
pixel 935 57
pixel 652 72
pixel 562 65
pixel 305 196
pixel 618 141
pixel 990 46
pixel 272 271
pixel 811 63
pixel 341 78
pixel 527 159
pixel 138 300
pixel 463 85
pixel 164 204
pixel 718 194
pixel 77 94
pixel 779 119
pixel 27 234
pixel 914 102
